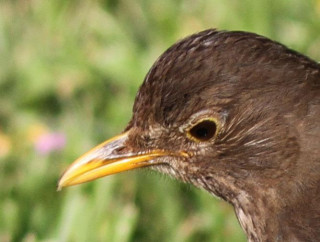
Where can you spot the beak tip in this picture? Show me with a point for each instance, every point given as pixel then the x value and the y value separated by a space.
pixel 59 186
pixel 62 182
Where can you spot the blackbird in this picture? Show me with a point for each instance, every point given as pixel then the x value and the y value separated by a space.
pixel 236 114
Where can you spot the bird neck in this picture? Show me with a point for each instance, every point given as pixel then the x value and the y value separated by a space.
pixel 274 216
pixel 256 217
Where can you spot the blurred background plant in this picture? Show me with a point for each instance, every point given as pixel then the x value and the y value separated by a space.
pixel 69 74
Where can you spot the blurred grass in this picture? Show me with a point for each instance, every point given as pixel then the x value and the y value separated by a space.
pixel 73 68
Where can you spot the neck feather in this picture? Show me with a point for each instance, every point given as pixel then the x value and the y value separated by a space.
pixel 269 218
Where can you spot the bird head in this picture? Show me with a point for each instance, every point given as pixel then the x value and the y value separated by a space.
pixel 218 110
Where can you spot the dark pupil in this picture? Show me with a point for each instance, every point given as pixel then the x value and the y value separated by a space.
pixel 204 130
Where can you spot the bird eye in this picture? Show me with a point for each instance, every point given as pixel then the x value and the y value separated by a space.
pixel 203 130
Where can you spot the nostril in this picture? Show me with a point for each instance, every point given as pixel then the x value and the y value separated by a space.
pixel 120 150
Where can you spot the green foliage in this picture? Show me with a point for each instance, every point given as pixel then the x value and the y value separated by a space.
pixel 73 67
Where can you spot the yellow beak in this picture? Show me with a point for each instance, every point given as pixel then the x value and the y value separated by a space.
pixel 108 158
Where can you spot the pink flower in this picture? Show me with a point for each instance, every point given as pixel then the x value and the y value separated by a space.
pixel 49 142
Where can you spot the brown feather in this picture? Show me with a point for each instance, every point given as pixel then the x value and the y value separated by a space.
pixel 265 160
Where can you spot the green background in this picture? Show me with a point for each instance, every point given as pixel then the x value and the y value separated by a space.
pixel 73 67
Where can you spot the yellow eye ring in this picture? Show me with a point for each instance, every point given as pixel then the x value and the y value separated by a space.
pixel 204 130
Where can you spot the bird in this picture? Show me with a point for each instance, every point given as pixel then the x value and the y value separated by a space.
pixel 236 114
